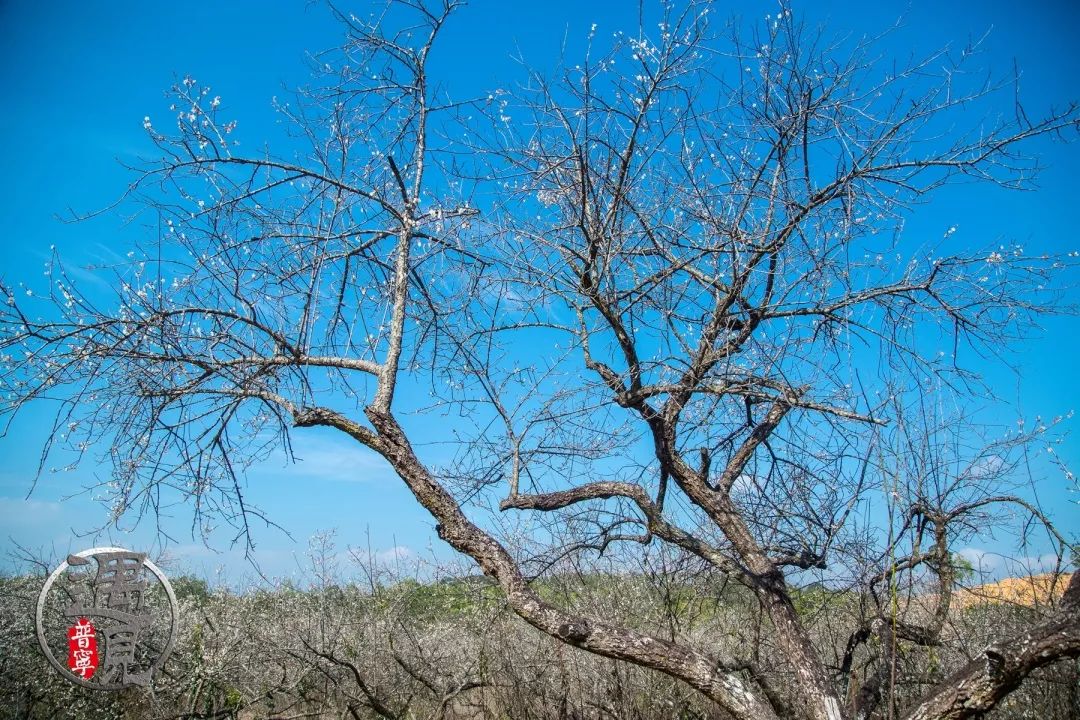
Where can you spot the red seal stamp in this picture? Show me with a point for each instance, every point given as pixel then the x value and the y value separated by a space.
pixel 82 648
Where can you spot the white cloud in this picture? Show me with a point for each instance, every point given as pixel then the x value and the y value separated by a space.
pixel 14 508
pixel 985 467
pixel 30 521
pixel 994 565
pixel 398 553
pixel 981 560
pixel 744 483
pixel 324 458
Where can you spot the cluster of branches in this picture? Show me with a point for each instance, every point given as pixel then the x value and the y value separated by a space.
pixel 666 293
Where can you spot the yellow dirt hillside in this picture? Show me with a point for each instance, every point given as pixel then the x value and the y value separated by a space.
pixel 1036 590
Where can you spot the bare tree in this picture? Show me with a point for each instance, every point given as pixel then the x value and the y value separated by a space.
pixel 666 291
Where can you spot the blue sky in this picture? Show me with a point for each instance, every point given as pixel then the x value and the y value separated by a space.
pixel 80 77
